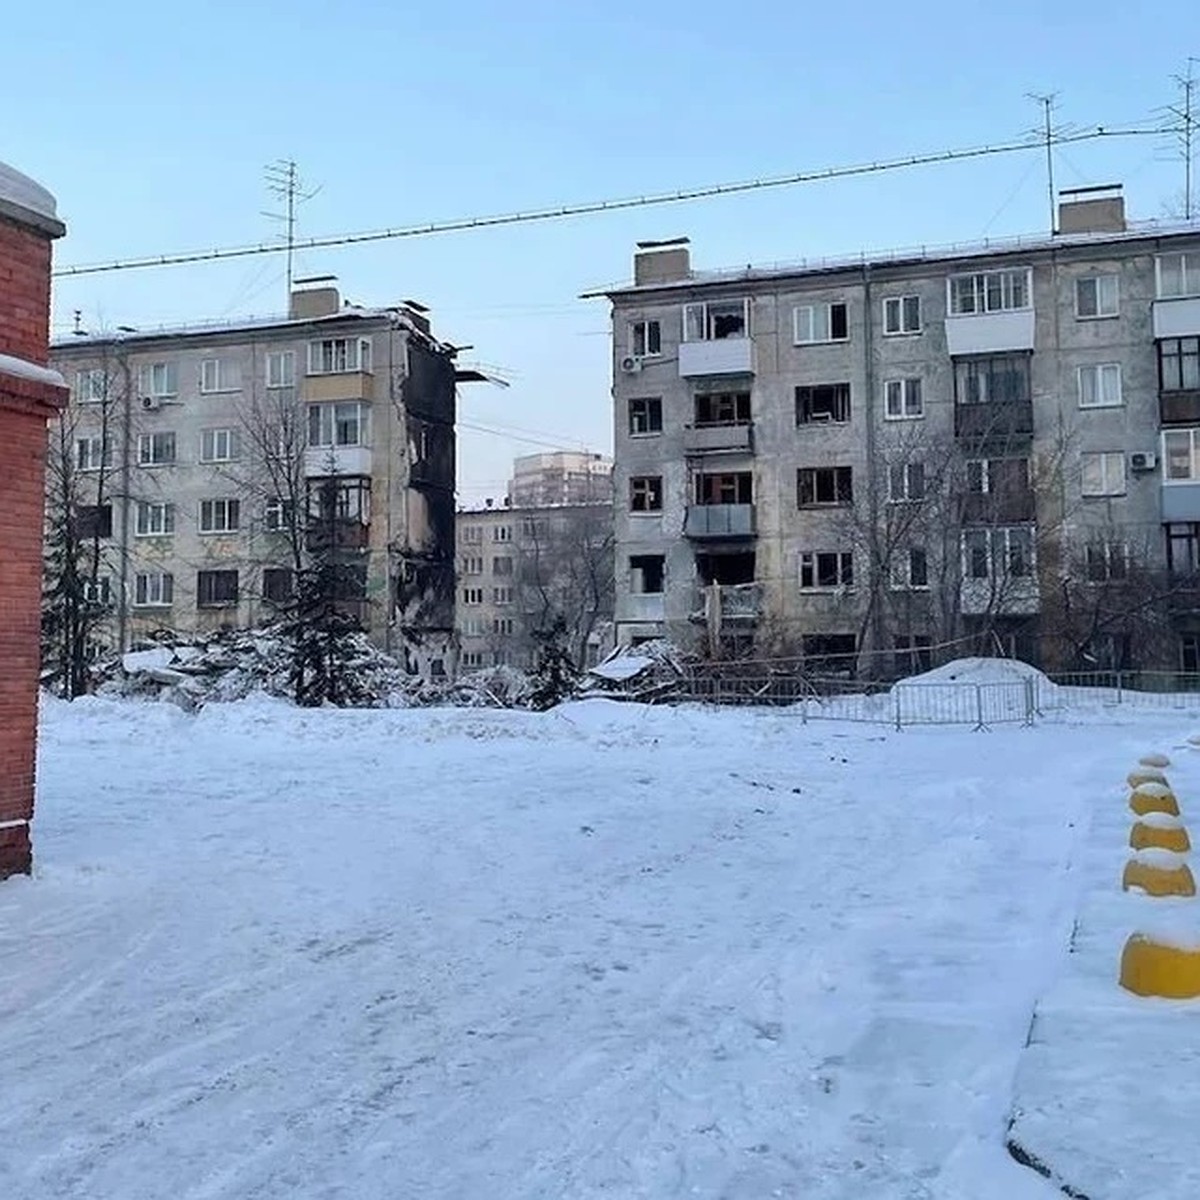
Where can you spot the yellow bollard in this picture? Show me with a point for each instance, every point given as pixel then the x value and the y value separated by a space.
pixel 1159 873
pixel 1153 797
pixel 1153 968
pixel 1166 833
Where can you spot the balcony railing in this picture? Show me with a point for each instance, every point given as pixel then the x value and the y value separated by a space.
pixel 719 521
pixel 998 421
pixel 342 533
pixel 728 602
pixel 998 508
pixel 1179 408
pixel 721 356
pixel 709 439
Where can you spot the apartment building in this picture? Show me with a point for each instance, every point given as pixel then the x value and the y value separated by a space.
pixel 209 459
pixel 521 568
pixel 859 461
pixel 560 477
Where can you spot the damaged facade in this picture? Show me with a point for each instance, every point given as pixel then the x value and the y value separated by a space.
pixel 859 462
pixel 206 459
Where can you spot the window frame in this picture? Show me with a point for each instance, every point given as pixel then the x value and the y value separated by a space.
pixel 148 442
pixel 843 570
pixel 705 308
pixel 324 421
pixel 1193 436
pixel 653 405
pixel 1189 275
pixel 904 389
pixel 839 481
pixel 98 455
pixel 1098 371
pixel 209 439
pixel 151 513
pixel 982 290
pixel 841 399
pixel 226 376
pixel 207 579
pixel 646 326
pixel 1187 350
pixel 900 303
pixel 1101 313
pixel 1104 553
pixel 231 510
pixel 905 471
pixel 827 307
pixel 991 534
pixel 147 379
pixel 645 495
pixel 357 364
pixel 900 569
pixel 274 357
pixel 1105 460
pixel 85 395
pixel 144 594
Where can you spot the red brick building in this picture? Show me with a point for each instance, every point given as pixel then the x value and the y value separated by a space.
pixel 30 393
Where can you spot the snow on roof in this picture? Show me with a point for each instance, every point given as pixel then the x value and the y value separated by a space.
pixel 23 369
pixel 18 191
pixel 627 666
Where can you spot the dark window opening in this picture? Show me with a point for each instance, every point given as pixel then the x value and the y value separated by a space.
pixel 645 493
pixel 215 589
pixel 277 584
pixel 722 408
pixel 1001 379
pixel 93 521
pixel 827 569
pixel 829 652
pixel 1183 549
pixel 824 485
pixel 725 569
pixel 647 574
pixel 645 415
pixel 1179 364
pixel 1189 653
pixel 733 488
pixel 826 402
pixel 912 653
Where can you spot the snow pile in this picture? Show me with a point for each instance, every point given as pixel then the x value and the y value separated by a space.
pixel 982 671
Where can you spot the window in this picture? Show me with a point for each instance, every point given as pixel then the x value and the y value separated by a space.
pixel 1106 561
pixel 716 320
pixel 502 625
pixel 816 486
pixel 281 368
pixel 645 339
pixel 472 595
pixel 647 573
pixel 502 595
pixel 989 291
pixel 156 449
pixel 472 534
pixel 814 323
pixel 473 626
pixel 1104 474
pixel 98 591
pixel 91 386
pixel 92 453
pixel 909 569
pixel 722 408
pixel 338 356
pixel 340 424
pixel 735 487
pixel 1181 456
pixel 472 565
pixel 901 314
pixel 1005 552
pixel 1179 364
pixel 219 516
pixel 1183 549
pixel 912 653
pixel 826 569
pixel 645 415
pixel 903 400
pixel 158 379
pixel 218 445
pixel 472 658
pixel 532 528
pixel 645 493
pixel 501 533
pixel 216 589
pixel 93 521
pixel 219 375
pixel 153 589
pixel 906 482
pixel 1003 379
pixel 1097 296
pixel 154 519
pixel 277 514
pixel 824 402
pixel 1178 275
pixel 1004 476
pixel 277 584
pixel 502 565
pixel 1100 385
pixel 340 498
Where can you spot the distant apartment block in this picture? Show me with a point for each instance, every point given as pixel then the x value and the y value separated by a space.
pixel 560 477
pixel 857 461
pixel 203 453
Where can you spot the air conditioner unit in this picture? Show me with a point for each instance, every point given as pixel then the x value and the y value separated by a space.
pixel 151 403
pixel 631 364
pixel 1143 460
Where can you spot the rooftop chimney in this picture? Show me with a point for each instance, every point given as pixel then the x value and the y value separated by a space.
pixel 1092 209
pixel 316 296
pixel 662 262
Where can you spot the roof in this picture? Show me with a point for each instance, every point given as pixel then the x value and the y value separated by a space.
pixel 909 256
pixel 25 200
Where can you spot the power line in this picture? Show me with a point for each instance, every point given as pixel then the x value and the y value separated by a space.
pixel 600 206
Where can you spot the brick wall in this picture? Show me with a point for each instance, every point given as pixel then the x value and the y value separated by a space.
pixel 25 404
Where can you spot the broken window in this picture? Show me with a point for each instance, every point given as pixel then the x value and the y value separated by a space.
pixel 502 565
pixel 716 320
pixel 823 402
pixel 906 482
pixel 824 485
pixel 645 493
pixel 909 568
pixel 726 569
pixel 277 584
pixel 826 569
pixel 93 521
pixel 722 408
pixel 216 589
pixel 829 651
pixel 735 487
pixel 647 574
pixel 645 338
pixel 645 415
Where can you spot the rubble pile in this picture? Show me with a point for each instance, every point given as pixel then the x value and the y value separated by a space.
pixel 650 672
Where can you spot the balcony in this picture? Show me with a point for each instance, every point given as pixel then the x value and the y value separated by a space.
pixel 728 602
pixel 721 356
pixel 349 385
pixel 642 606
pixel 998 508
pixel 339 534
pixel 1183 595
pixel 337 460
pixel 989 333
pixel 719 521
pixel 717 439
pixel 1177 318
pixel 1179 408
pixel 1180 501
pixel 998 422
pixel 1005 597
pixel 426 472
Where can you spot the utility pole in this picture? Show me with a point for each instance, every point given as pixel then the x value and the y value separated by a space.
pixel 1046 100
pixel 283 180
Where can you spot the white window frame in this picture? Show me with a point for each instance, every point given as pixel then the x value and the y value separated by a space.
pixel 897 306
pixel 98 591
pixel 1189 272
pixel 146 446
pixel 814 334
pixel 153 589
pixel 992 534
pixel 845 566
pixel 472 535
pixel 473 595
pixel 905 473
pixel 1103 376
pixel 281 368
pixel 221 515
pixel 1112 475
pixel 697 319
pixel 219 445
pixel 982 283
pixel 276 514
pixel 910 396
pixel 501 533
pixel 158 379
pixel 92 453
pixel 324 434
pixel 644 326
pixel 154 518
pixel 219 375
pixel 502 595
pixel 1103 311
pixel 1193 436
pixel 900 573
pixel 1106 552
pixel 339 356
pixel 502 626
pixel 648 401
pixel 91 385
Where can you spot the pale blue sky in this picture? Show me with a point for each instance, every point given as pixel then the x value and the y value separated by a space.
pixel 151 122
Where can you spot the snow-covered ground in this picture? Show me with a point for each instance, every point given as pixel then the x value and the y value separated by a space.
pixel 603 951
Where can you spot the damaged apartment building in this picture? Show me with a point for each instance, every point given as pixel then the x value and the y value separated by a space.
pixel 869 462
pixel 208 461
